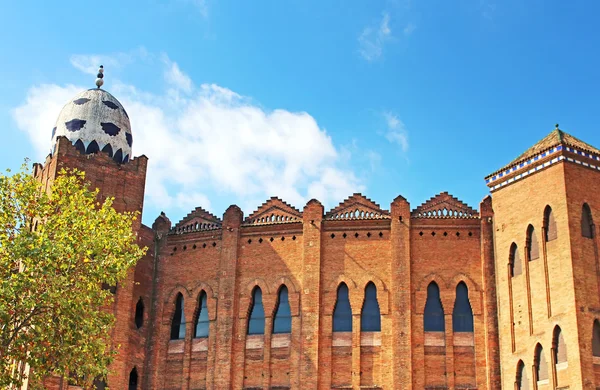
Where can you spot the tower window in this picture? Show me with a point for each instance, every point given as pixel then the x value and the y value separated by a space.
pixel 596 339
pixel 256 320
pixel 516 266
pixel 133 379
pixel 521 379
pixel 342 313
pixel 550 231
pixel 533 248
pixel 370 318
pixel 433 318
pixel 541 366
pixel 139 313
pixel 560 347
pixel 462 316
pixel 178 323
pixel 283 314
pixel 202 323
pixel 587 223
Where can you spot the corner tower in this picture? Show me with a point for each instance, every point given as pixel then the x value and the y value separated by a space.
pixel 546 255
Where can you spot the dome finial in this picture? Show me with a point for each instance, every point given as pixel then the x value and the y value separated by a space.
pixel 556 126
pixel 100 76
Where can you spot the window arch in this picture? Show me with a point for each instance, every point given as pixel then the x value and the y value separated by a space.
pixel 521 379
pixel 201 324
pixel 550 232
pixel 139 313
pixel 433 318
pixel 178 322
pixel 256 319
pixel 541 366
pixel 370 317
pixel 516 266
pixel 532 245
pixel 133 379
pixel 596 339
pixel 462 315
pixel 559 345
pixel 282 322
pixel 587 223
pixel 342 313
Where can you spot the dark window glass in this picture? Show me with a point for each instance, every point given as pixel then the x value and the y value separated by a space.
pixel 533 248
pixel 433 318
pixel 560 348
pixel 133 379
pixel 516 266
pixel 201 328
pixel 283 314
pixel 522 381
pixel 139 313
pixel 178 323
pixel 462 316
pixel 541 365
pixel 587 223
pixel 256 320
pixel 342 313
pixel 596 339
pixel 370 318
pixel 550 231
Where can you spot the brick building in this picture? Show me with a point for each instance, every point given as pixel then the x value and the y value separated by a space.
pixel 439 296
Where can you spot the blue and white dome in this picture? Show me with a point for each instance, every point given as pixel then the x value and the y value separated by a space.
pixel 95 121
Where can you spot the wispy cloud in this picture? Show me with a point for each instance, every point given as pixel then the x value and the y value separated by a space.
pixel 89 63
pixel 396 131
pixel 200 5
pixel 373 38
pixel 409 29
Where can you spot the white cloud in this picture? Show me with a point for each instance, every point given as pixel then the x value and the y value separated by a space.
pixel 396 131
pixel 211 140
pixel 409 29
pixel 373 38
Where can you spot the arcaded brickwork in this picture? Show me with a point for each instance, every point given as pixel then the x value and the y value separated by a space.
pixel 526 259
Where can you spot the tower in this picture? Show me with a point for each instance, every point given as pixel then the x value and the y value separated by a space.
pixel 546 254
pixel 93 134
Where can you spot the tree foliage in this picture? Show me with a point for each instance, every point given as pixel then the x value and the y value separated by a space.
pixel 57 250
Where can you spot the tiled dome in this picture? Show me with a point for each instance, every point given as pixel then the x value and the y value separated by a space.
pixel 95 121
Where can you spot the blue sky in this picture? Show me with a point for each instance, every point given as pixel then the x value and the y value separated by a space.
pixel 236 101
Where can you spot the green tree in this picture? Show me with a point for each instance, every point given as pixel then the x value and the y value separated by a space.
pixel 57 249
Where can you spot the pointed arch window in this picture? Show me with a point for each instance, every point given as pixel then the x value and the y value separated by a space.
pixel 550 232
pixel 560 348
pixel 201 323
pixel 516 266
pixel 342 313
pixel 541 366
pixel 521 379
pixel 139 313
pixel 596 339
pixel 533 247
pixel 433 318
pixel 178 322
pixel 283 313
pixel 256 319
pixel 587 223
pixel 462 315
pixel 370 317
pixel 133 379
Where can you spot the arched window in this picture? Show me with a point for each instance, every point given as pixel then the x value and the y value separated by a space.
pixel 516 266
pixel 462 316
pixel 139 313
pixel 596 339
pixel 521 379
pixel 550 232
pixel 560 348
pixel 587 223
pixel 256 319
pixel 342 313
pixel 533 248
pixel 283 313
pixel 201 327
pixel 133 379
pixel 541 366
pixel 433 318
pixel 370 317
pixel 178 323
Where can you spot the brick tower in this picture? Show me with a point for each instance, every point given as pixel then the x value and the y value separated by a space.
pixel 93 134
pixel 547 265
